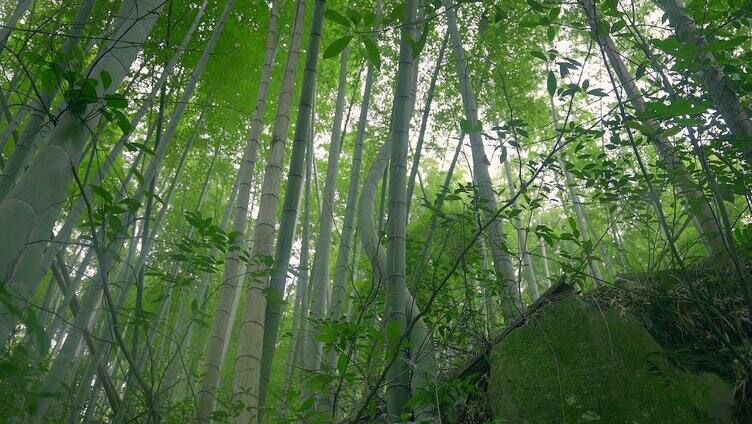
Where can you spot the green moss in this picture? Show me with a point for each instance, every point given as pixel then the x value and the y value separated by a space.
pixel 577 363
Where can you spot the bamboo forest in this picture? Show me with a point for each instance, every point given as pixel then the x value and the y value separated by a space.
pixel 376 211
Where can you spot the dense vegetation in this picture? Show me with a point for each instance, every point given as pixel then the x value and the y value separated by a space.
pixel 311 211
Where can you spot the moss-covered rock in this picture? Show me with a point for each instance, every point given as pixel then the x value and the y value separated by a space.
pixel 574 362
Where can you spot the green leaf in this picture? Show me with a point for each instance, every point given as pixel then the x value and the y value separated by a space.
pixel 354 16
pixel 551 83
pixel 342 362
pixel 138 175
pixel 397 13
pixel 639 127
pixel 115 223
pixel 413 45
pixel 640 72
pixel 572 223
pixel 617 26
pixel 369 18
pixel 551 33
pixel 123 122
pixel 154 196
pixel 554 13
pixel 49 79
pixel 337 17
pixel 483 24
pixel 41 339
pixel 117 101
pixel 324 337
pixel 337 46
pixel 499 14
pixel 421 43
pixel 106 79
pixel 372 53
pixel 539 55
pixel 84 95
pixel 611 4
pixel 465 126
pixel 671 132
pixel 101 192
pixel 535 5
pixel 307 404
pixel 272 296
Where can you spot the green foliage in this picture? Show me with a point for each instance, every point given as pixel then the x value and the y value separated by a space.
pixel 356 25
pixel 19 373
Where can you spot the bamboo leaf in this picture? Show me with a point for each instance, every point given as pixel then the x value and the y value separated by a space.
pixel 354 16
pixel 551 83
pixel 122 122
pixel 369 18
pixel 337 17
pixel 598 92
pixel 337 46
pixel 539 55
pixel 49 79
pixel 465 126
pixel 372 52
pixel 117 101
pixel 101 192
pixel 106 79
pixel 503 154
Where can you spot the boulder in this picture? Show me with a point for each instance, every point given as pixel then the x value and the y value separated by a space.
pixel 576 362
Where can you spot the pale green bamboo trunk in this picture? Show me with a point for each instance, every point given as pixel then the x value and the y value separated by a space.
pixel 320 270
pixel 510 296
pixel 420 346
pixel 300 310
pixel 264 231
pixel 291 206
pixel 397 387
pixel 229 292
pixel 193 344
pixel 344 252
